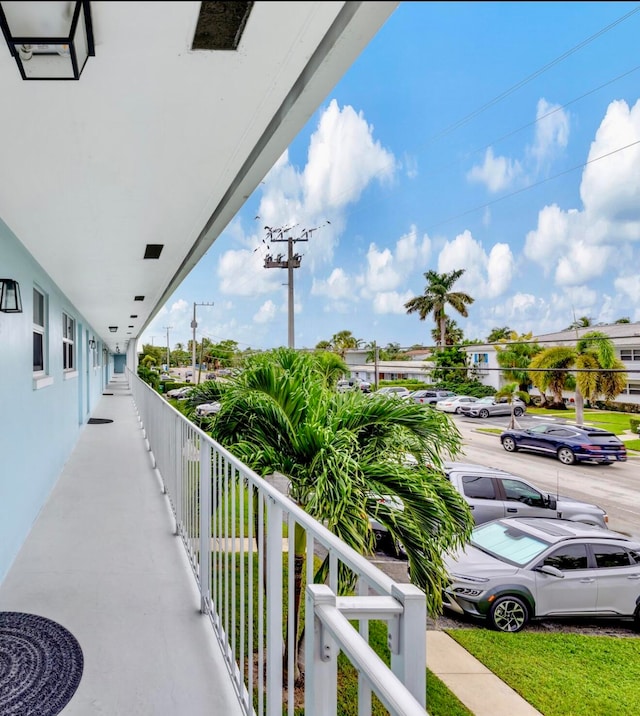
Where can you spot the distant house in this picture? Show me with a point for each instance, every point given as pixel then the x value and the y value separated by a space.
pixel 415 369
pixel 624 336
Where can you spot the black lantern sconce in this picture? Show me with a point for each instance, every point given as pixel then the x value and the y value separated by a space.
pixel 10 301
pixel 117 348
pixel 48 40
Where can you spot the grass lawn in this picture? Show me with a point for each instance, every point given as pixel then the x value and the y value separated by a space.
pixel 608 420
pixel 562 674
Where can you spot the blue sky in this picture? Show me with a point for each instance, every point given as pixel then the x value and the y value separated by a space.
pixel 501 138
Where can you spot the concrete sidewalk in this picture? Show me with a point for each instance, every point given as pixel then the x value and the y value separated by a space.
pixel 479 689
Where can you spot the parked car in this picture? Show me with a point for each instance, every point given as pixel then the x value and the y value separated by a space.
pixel 490 406
pixel 569 443
pixel 394 391
pixel 208 409
pixel 429 397
pixel 454 403
pixel 383 539
pixel 180 393
pixel 492 493
pixel 518 569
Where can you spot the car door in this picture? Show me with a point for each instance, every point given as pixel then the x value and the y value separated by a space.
pixel 617 577
pixel 534 438
pixel 522 499
pixel 481 494
pixel 576 592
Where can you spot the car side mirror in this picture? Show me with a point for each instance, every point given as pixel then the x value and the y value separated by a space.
pixel 552 503
pixel 551 571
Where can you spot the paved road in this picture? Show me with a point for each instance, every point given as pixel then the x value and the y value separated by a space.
pixel 616 488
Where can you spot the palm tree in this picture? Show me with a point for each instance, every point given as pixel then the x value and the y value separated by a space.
pixel 511 391
pixel 344 341
pixel 338 452
pixel 594 357
pixel 453 333
pixel 500 334
pixel 582 322
pixel 515 357
pixel 437 295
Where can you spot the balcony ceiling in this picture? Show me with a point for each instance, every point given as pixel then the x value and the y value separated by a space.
pixel 158 143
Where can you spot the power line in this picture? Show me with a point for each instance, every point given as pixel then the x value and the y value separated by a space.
pixel 467 118
pixel 532 186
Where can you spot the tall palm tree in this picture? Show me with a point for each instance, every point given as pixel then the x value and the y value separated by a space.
pixel 437 295
pixel 340 450
pixel 595 354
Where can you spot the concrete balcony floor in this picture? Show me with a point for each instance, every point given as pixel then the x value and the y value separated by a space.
pixel 102 560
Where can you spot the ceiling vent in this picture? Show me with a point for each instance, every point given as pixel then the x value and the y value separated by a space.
pixel 153 251
pixel 220 25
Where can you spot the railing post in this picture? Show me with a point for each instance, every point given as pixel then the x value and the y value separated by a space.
pixel 205 526
pixel 320 656
pixel 274 608
pixel 407 640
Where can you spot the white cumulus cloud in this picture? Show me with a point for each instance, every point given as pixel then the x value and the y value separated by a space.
pixel 266 313
pixel 496 173
pixel 486 275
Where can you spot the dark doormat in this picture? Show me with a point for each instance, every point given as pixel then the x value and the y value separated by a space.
pixel 41 665
pixel 107 394
pixel 99 421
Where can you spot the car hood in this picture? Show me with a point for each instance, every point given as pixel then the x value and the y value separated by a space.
pixel 474 562
pixel 563 502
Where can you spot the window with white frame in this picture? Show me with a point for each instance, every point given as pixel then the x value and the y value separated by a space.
pixel 39 331
pixel 629 354
pixel 633 388
pixel 68 342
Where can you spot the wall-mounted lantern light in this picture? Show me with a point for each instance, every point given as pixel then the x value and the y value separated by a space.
pixel 92 344
pixel 48 40
pixel 117 349
pixel 10 301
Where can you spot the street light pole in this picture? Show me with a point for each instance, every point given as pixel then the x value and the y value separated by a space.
pixel 194 325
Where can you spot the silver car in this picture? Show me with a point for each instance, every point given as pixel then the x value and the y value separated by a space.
pixel 489 406
pixel 518 569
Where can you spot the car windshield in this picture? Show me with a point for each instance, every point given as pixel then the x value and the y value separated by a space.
pixel 507 542
pixel 485 400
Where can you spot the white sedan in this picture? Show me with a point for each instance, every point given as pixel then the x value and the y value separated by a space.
pixel 208 409
pixel 453 404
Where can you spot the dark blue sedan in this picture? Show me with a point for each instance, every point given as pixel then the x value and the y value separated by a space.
pixel 569 443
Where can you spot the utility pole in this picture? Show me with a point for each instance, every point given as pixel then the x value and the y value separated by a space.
pixel 292 261
pixel 168 351
pixel 194 325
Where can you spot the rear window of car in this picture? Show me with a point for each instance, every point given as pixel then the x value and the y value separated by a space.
pixel 508 543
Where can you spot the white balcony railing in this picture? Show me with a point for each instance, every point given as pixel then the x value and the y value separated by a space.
pixel 245 576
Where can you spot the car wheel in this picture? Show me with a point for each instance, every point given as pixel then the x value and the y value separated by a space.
pixel 518 412
pixel 484 413
pixel 566 456
pixel 457 411
pixel 509 444
pixel 508 614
